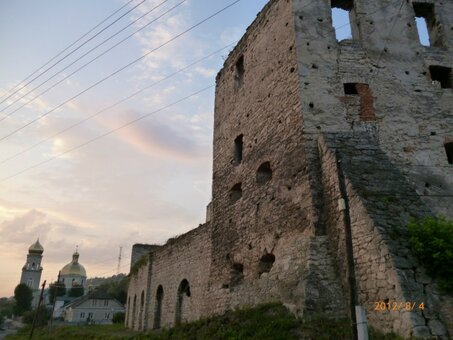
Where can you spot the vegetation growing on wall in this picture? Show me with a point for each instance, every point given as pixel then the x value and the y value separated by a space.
pixel 432 242
pixel 140 263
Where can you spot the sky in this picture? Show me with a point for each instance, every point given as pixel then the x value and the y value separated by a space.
pixel 77 173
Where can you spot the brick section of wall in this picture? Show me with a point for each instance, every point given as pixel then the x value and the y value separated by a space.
pixel 366 102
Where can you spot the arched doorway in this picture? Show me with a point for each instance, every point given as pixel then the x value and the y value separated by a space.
pixel 183 295
pixel 158 307
pixel 140 315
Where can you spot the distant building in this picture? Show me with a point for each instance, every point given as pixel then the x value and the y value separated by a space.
pixel 73 274
pixel 31 271
pixel 96 307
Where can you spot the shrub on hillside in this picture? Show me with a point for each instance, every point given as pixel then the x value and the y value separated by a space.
pixel 432 242
pixel 119 317
pixel 42 316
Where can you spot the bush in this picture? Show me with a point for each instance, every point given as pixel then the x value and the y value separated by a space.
pixel 119 317
pixel 42 316
pixel 432 242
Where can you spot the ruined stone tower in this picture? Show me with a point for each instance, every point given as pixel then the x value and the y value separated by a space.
pixel 322 151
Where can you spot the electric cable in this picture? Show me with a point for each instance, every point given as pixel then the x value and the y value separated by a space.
pixel 77 48
pixel 85 54
pixel 121 69
pixel 109 132
pixel 115 104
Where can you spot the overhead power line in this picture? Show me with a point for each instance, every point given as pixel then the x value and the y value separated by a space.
pixel 116 103
pixel 109 132
pixel 121 69
pixel 91 61
pixel 74 50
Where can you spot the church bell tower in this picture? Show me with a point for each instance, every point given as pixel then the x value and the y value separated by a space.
pixel 31 271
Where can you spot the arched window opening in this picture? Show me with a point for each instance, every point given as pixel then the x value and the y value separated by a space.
pixel 128 311
pixel 266 263
pixel 183 294
pixel 140 316
pixel 158 307
pixel 235 192
pixel 264 173
pixel 134 311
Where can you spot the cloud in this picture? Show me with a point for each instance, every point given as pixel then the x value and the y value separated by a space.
pixel 21 227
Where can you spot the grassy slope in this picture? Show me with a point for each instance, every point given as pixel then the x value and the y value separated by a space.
pixel 270 321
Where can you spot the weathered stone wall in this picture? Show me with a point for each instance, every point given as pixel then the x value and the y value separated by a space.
pixel 412 113
pixel 274 218
pixel 139 250
pixel 186 257
pixel 290 208
pixel 393 128
pixel 379 202
pixel 136 295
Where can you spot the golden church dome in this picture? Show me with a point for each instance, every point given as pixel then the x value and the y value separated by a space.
pixel 74 268
pixel 36 248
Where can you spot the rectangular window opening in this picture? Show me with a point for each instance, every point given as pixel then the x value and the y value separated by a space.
pixel 442 75
pixel 342 18
pixel 449 150
pixel 350 89
pixel 238 148
pixel 425 19
pixel 239 76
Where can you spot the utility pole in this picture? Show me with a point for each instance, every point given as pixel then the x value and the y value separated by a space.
pixel 54 301
pixel 37 309
pixel 119 261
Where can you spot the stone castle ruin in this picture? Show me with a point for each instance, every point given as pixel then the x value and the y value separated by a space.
pixel 322 151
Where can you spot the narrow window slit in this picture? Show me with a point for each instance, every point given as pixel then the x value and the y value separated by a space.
pixel 449 150
pixel 239 76
pixel 238 149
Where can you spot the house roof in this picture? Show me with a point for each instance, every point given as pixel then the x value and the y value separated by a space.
pixel 94 295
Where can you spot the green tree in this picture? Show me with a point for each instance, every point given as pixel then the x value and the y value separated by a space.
pixel 76 291
pixel 56 289
pixel 117 289
pixel 23 296
pixel 6 308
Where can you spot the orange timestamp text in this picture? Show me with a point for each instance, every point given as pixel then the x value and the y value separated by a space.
pixel 383 306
